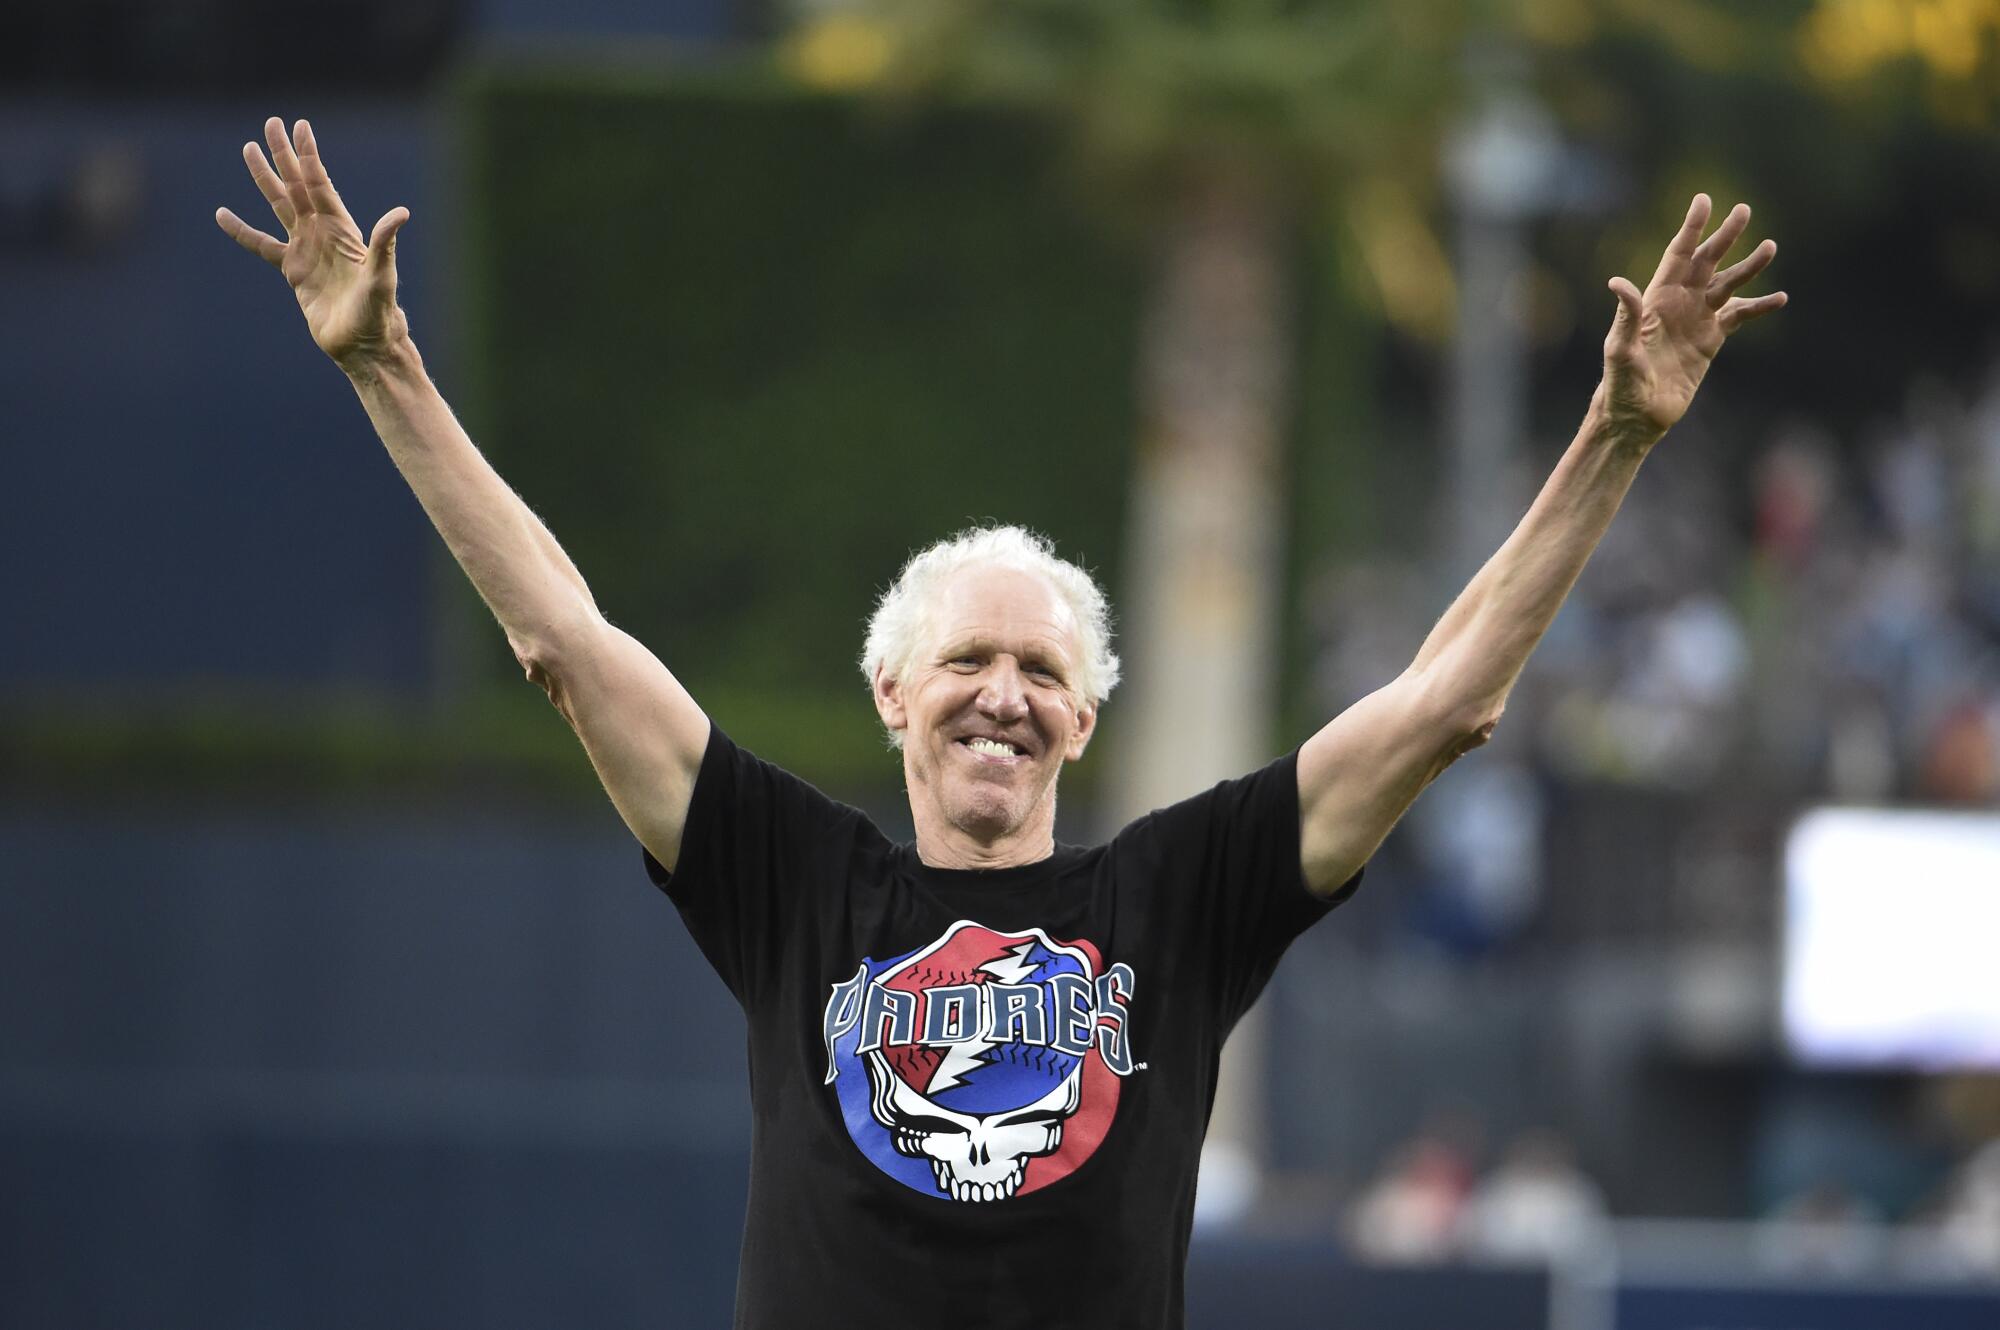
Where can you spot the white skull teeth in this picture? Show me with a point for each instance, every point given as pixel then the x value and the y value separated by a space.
pixel 974 1157
pixel 992 747
pixel 976 1192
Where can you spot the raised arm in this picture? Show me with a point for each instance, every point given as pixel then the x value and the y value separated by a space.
pixel 643 732
pixel 1361 772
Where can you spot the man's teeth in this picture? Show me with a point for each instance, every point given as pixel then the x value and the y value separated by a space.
pixel 992 748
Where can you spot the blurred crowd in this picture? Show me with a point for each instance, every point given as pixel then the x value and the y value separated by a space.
pixel 1842 635
pixel 1842 643
pixel 1536 1206
pixel 1967 1217
pixel 1815 620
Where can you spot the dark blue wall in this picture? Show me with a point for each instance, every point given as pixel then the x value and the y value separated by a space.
pixel 193 497
pixel 338 1069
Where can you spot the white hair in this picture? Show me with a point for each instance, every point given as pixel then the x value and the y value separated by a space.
pixel 905 618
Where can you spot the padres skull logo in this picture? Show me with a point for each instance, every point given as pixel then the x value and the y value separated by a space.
pixel 983 1066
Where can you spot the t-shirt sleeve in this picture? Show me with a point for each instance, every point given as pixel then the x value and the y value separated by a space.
pixel 1230 856
pixel 757 838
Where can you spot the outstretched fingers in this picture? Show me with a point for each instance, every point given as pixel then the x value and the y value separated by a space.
pixel 1710 251
pixel 286 163
pixel 1740 311
pixel 268 184
pixel 268 248
pixel 313 171
pixel 1682 246
pixel 1726 283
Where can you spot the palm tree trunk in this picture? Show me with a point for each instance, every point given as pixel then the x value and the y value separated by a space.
pixel 1205 559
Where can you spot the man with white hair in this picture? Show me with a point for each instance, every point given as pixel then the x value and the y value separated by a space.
pixel 981 1064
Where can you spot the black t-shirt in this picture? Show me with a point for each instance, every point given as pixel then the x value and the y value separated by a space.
pixel 979 1096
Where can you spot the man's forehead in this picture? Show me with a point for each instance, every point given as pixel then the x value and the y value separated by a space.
pixel 989 600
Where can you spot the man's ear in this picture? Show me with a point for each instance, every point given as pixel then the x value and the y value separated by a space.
pixel 889 700
pixel 1086 725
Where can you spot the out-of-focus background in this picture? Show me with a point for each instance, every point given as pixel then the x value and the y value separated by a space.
pixel 331 992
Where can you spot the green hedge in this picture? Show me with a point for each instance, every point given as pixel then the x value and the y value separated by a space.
pixel 744 349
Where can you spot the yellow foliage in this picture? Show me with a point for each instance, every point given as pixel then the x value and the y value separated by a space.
pixel 840 53
pixel 1946 34
pixel 1842 40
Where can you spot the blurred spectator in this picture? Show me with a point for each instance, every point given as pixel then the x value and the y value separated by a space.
pixel 1479 835
pixel 1535 1206
pixel 1666 717
pixel 1962 760
pixel 1911 481
pixel 1410 1213
pixel 1981 496
pixel 1825 1229
pixel 1861 763
pixel 1969 1228
pixel 1793 486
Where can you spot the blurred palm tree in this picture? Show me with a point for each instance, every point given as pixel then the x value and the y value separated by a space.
pixel 1214 131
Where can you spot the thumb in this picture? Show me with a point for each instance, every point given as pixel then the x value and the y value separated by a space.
pixel 382 240
pixel 1625 323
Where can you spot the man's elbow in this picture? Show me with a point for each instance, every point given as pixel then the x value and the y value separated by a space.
pixel 549 659
pixel 1461 724
pixel 539 666
pixel 1481 725
pixel 1475 727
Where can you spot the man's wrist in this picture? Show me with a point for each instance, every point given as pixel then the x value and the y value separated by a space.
pixel 395 356
pixel 1619 429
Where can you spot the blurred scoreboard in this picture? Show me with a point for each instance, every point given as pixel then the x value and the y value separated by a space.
pixel 1892 930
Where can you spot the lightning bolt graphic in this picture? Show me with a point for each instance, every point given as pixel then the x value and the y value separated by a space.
pixel 961 1060
pixel 1014 967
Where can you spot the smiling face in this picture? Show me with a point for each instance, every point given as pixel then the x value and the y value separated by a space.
pixel 988 713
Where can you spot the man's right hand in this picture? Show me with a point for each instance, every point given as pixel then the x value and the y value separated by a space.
pixel 347 288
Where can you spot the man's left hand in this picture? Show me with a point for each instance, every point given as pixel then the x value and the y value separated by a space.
pixel 1662 340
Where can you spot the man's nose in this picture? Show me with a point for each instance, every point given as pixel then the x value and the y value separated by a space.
pixel 1002 695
